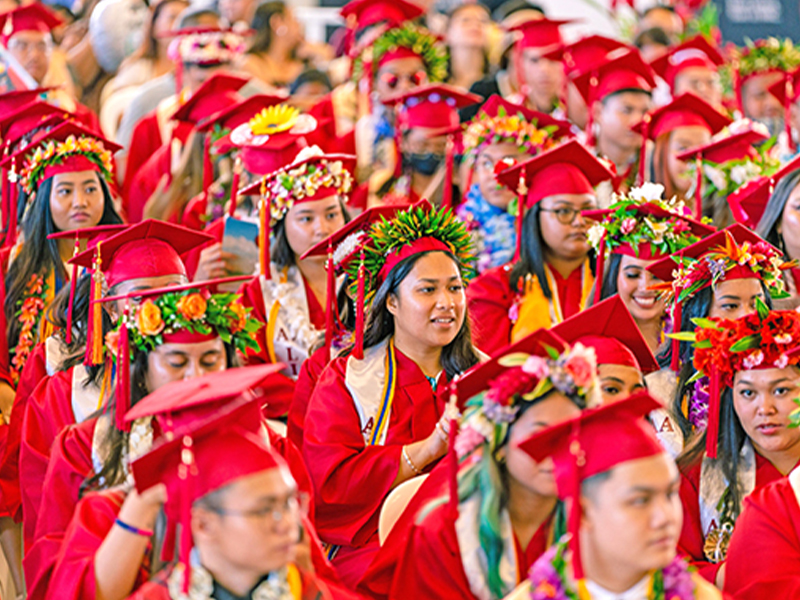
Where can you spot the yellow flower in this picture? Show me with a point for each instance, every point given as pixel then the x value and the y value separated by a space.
pixel 274 119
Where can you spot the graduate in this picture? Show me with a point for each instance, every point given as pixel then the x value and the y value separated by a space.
pixel 377 417
pixel 479 536
pixel 240 489
pixel 638 229
pixel 174 334
pixel 500 133
pixel 748 271
pixel 692 66
pixel 551 278
pixel 623 511
pixel 748 443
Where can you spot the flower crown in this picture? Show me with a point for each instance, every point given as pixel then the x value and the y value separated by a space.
pixel 54 152
pixel 761 339
pixel 765 55
pixel 627 225
pixel 415 38
pixel 573 372
pixel 505 128
pixel 207 47
pixel 192 311
pixel 386 237
pixel 295 184
pixel 694 274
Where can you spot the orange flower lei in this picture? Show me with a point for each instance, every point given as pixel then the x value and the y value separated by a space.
pixel 30 309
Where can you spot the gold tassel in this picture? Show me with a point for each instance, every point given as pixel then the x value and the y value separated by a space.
pixel 95 312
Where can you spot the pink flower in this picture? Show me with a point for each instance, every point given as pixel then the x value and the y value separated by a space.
pixel 753 359
pixel 536 366
pixel 782 362
pixel 628 225
pixel 580 369
pixel 467 440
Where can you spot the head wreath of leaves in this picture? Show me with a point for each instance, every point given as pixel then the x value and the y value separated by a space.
pixel 388 236
pixel 417 39
pixel 768 54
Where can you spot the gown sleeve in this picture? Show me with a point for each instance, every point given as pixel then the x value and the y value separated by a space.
pixel 304 387
pixel 489 298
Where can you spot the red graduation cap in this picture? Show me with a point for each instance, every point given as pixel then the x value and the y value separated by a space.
pixel 28 118
pixel 594 442
pixel 609 328
pixel 205 456
pixel 232 116
pixel 694 52
pixel 492 106
pixel 92 235
pixel 539 33
pixel 360 14
pixel 433 106
pixel 567 169
pixel 733 147
pixel 749 201
pixel 687 110
pixel 786 91
pixel 148 249
pixel 622 70
pixel 585 53
pixel 29 17
pixel 13 100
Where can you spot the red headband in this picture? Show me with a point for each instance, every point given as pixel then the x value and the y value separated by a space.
pixel 426 244
pixel 396 54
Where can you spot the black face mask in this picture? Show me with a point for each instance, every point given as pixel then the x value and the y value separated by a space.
pixel 424 164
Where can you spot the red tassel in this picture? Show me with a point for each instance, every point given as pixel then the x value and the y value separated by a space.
pixel 11 219
pixel 330 300
pixel 643 151
pixel 574 516
pixel 787 109
pixel 590 141
pixel 452 457
pixel 263 231
pixel 186 471
pixel 208 167
pixel 698 194
pixel 599 266
pixel 712 432
pixel 123 400
pixel 675 363
pixel 237 173
pixel 358 351
pixel 168 548
pixel 447 192
pixel 524 88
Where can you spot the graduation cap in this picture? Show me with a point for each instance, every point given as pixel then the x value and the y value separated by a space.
pixel 687 110
pixel 585 53
pixel 623 70
pixel 539 33
pixel 13 100
pixel 567 169
pixel 609 328
pixel 433 106
pixel 205 456
pixel 27 119
pixel 723 247
pixel 786 91
pixel 146 250
pixel 694 52
pixel 749 201
pixel 30 17
pixel 360 14
pixel 312 176
pixel 582 447
pixel 341 247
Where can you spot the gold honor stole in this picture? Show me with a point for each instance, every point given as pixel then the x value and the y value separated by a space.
pixel 536 311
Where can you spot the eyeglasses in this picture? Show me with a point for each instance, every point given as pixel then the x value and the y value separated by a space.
pixel 25 47
pixel 392 80
pixel 275 510
pixel 565 215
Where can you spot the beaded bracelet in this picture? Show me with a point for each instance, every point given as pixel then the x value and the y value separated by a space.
pixel 409 463
pixel 132 529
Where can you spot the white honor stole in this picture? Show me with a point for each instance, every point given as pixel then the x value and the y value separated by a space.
pixel 713 485
pixel 372 381
pixel 290 333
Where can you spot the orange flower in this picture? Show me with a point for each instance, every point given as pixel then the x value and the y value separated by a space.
pixel 192 307
pixel 241 315
pixel 112 342
pixel 148 319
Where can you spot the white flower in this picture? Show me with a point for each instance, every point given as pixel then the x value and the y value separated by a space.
pixel 739 174
pixel 648 191
pixel 658 229
pixel 716 176
pixel 595 234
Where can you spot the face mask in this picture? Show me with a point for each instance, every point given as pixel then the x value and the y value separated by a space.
pixel 424 164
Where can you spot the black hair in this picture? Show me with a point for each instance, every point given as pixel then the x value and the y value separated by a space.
pixel 590 484
pixel 654 35
pixel 771 219
pixel 281 253
pixel 262 40
pixel 113 471
pixel 310 76
pixel 458 356
pixel 610 275
pixel 696 306
pixel 509 7
pixel 40 256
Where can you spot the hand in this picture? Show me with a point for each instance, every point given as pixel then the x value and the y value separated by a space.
pixel 141 510
pixel 213 263
pixel 720 580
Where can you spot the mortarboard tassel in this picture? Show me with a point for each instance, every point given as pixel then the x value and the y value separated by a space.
pixel 698 189
pixel 452 457
pixel 330 300
pixel 11 230
pixel 593 82
pixel 574 516
pixel 521 191
pixel 643 151
pixel 94 325
pixel 675 360
pixel 358 351
pixel 263 231
pixel 123 395
pixel 599 266
pixel 186 472
pixel 73 280
pixel 447 191
pixel 208 166
pixel 788 94
pixel 712 430
pixel 237 173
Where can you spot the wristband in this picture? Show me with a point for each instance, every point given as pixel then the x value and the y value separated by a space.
pixel 409 463
pixel 132 529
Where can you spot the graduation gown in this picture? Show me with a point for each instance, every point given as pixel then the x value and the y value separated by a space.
pixel 351 480
pixel 764 553
pixel 304 386
pixel 492 301
pixel 692 535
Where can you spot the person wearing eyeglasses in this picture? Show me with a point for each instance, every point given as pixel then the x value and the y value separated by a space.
pixel 551 277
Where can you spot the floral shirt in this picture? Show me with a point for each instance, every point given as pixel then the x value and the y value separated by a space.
pixel 492 228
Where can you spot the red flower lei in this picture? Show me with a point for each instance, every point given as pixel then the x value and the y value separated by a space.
pixel 29 313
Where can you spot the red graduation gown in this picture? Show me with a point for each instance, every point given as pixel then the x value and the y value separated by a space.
pixel 306 382
pixel 33 372
pixel 692 538
pixel 764 553
pixel 145 140
pixel 145 182
pixel 48 412
pixel 350 480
